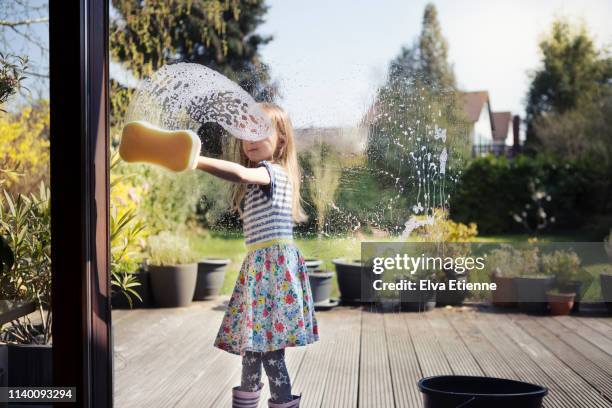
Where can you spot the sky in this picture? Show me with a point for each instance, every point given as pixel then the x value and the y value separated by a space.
pixel 330 56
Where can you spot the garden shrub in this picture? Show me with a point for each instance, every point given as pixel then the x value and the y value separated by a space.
pixel 493 189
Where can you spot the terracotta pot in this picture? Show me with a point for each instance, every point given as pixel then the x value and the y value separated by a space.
pixel 505 293
pixel 561 303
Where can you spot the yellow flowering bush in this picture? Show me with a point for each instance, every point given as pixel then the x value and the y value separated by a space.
pixel 24 148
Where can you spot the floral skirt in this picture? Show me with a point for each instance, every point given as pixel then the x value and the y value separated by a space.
pixel 271 306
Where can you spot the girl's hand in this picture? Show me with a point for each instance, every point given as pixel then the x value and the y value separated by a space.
pixel 235 172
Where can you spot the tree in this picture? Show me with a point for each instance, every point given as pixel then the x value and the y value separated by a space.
pixel 428 56
pixel 217 33
pixel 23 31
pixel 573 73
pixel 11 74
pixel 416 124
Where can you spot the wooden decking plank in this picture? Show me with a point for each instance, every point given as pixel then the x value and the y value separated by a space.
pixel 591 352
pixel 597 324
pixel 458 355
pixel 489 359
pixel 519 359
pixel 165 356
pixel 375 387
pixel 595 376
pixel 429 353
pixel 342 387
pixel 578 390
pixel 587 332
pixel 404 364
pixel 162 349
pixel 312 377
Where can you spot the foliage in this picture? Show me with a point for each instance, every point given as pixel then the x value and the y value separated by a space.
pixel 509 261
pixel 534 217
pixel 492 189
pixel 573 73
pixel 216 33
pixel 25 224
pixel 11 74
pixel 416 106
pixel 127 231
pixel 444 229
pixel 581 132
pixel 323 183
pixel 168 248
pixel 24 148
pixel 563 265
pixel 428 56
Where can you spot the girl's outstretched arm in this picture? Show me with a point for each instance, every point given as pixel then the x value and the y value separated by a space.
pixel 235 172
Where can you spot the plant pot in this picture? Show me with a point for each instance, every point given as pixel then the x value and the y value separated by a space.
pixel 173 285
pixel 30 365
pixel 119 301
pixel 211 274
pixel 447 297
pixel 576 288
pixel 560 303
pixel 314 264
pixel 531 291
pixel 350 275
pixel 416 300
pixel 505 293
pixel 605 281
pixel 321 285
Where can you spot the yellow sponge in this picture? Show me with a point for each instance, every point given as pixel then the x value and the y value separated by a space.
pixel 176 150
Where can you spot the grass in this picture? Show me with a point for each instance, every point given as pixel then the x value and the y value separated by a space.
pixel 231 246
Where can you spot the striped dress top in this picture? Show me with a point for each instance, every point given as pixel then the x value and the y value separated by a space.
pixel 267 214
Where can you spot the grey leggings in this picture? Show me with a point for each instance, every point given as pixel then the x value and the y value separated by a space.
pixel 274 364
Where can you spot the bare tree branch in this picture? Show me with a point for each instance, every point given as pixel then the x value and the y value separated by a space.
pixel 24 22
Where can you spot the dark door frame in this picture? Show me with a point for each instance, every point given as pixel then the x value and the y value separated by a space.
pixel 82 337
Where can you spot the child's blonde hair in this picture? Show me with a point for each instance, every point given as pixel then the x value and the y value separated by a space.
pixel 285 155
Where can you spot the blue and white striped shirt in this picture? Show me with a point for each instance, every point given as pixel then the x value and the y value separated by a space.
pixel 267 213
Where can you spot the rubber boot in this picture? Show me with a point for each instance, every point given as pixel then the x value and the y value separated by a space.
pixel 294 403
pixel 245 399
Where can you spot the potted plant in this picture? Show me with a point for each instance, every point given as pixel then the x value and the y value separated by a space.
pixel 211 274
pixel 320 284
pixel 504 265
pixel 531 284
pixel 447 296
pixel 129 277
pixel 560 303
pixel 173 268
pixel 419 299
pixel 25 275
pixel 349 275
pixel 564 266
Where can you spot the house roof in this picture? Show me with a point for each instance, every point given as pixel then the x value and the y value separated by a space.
pixel 473 102
pixel 501 122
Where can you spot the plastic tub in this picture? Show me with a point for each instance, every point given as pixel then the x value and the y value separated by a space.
pixel 451 391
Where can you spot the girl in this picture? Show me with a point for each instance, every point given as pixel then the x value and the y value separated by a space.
pixel 271 306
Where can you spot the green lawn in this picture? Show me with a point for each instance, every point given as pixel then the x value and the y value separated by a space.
pixel 221 245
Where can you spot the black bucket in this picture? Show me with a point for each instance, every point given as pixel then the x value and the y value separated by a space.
pixel 456 391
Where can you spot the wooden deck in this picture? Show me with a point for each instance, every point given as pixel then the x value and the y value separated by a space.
pixel 165 357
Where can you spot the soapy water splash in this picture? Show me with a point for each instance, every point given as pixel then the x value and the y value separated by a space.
pixel 411 149
pixel 187 95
